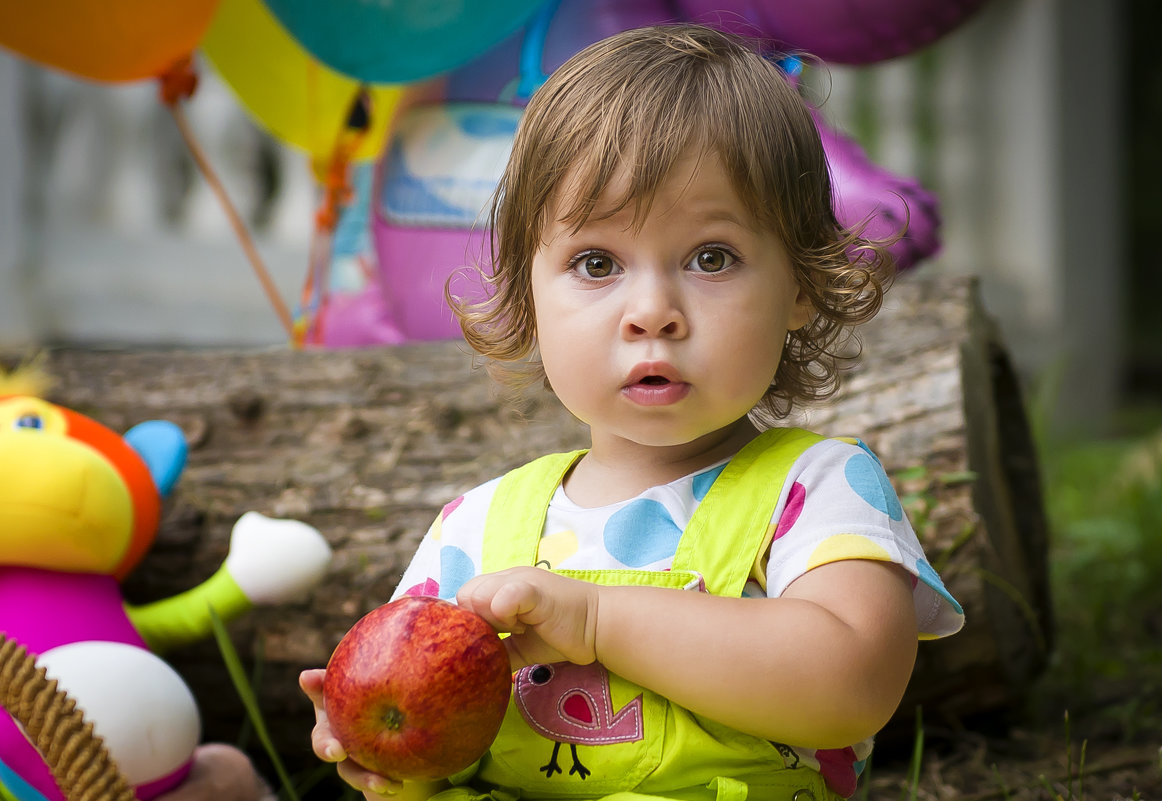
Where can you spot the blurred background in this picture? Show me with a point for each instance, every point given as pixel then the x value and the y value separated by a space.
pixel 1031 122
pixel 1023 135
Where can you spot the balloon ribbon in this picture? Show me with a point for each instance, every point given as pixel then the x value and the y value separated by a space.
pixel 178 84
pixel 337 193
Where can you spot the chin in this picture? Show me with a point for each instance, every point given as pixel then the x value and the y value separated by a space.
pixel 673 437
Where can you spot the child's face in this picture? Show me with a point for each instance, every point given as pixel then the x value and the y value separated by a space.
pixel 673 332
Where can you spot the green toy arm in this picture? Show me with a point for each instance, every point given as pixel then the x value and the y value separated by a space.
pixel 185 618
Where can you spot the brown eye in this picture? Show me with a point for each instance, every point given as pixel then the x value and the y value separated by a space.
pixel 712 260
pixel 597 265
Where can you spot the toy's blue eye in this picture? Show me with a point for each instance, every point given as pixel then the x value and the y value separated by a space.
pixel 30 421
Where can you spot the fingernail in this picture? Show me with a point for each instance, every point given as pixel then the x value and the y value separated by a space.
pixel 333 752
pixel 380 786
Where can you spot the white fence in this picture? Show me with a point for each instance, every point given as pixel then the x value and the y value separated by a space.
pixel 107 235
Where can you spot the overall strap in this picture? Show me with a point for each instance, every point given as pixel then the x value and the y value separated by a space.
pixel 731 523
pixel 721 541
pixel 516 516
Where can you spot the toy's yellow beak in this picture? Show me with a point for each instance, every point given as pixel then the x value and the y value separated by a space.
pixel 62 505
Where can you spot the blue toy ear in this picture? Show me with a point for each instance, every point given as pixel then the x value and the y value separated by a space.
pixel 162 446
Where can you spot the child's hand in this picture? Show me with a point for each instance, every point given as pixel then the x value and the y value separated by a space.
pixel 328 749
pixel 552 618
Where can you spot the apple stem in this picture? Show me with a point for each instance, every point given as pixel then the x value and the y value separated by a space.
pixel 393 719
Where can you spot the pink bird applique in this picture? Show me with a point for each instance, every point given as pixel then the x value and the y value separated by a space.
pixel 571 704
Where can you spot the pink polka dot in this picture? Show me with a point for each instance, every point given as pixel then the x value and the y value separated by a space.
pixel 430 587
pixel 791 511
pixel 451 507
pixel 837 766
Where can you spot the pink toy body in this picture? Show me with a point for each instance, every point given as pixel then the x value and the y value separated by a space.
pixel 42 610
pixel 79 507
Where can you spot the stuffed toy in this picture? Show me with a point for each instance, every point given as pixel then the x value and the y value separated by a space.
pixel 79 507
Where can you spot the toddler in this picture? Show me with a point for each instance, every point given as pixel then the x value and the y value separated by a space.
pixel 702 605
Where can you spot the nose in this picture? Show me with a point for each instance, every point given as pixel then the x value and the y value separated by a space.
pixel 654 309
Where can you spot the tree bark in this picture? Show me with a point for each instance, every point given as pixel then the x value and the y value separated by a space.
pixel 367 445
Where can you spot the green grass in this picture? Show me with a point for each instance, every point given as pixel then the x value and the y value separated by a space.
pixel 1104 506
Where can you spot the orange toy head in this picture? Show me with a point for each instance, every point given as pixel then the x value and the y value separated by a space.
pixel 74 495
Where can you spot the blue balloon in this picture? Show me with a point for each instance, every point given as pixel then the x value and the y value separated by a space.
pixel 509 71
pixel 401 41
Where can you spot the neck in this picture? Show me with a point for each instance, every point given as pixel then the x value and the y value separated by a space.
pixel 617 469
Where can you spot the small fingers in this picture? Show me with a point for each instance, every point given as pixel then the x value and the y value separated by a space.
pixel 311 683
pixel 365 781
pixel 323 742
pixel 500 598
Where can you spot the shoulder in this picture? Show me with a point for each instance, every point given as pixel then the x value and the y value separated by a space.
pixel 839 483
pixel 471 505
pixel 840 504
pixel 850 463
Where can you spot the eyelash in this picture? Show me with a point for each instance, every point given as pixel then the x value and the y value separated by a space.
pixel 573 265
pixel 730 253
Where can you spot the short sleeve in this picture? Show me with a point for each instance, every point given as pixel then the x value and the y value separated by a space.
pixel 838 504
pixel 450 552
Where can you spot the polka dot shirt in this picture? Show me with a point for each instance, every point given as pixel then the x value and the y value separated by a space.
pixel 836 503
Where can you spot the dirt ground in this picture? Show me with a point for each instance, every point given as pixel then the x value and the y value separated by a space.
pixel 1107 752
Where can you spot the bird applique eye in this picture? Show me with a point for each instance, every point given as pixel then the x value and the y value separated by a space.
pixel 30 420
pixel 541 674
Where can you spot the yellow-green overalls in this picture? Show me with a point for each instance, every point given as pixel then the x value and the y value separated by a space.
pixel 579 732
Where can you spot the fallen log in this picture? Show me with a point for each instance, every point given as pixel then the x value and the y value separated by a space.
pixel 367 445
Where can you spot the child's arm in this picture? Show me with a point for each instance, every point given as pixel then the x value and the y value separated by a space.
pixel 327 748
pixel 822 666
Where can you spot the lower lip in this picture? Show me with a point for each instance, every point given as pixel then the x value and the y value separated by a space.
pixel 656 394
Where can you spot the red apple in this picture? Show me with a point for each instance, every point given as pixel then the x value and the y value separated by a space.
pixel 417 689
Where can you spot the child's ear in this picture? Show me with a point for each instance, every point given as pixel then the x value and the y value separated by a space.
pixel 802 312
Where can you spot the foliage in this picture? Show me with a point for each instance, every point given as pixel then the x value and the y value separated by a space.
pixel 1104 504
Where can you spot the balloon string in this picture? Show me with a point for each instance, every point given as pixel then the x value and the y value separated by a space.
pixel 337 195
pixel 175 86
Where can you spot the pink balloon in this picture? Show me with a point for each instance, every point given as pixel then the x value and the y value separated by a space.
pixel 864 192
pixel 416 257
pixel 433 183
pixel 356 320
pixel 840 31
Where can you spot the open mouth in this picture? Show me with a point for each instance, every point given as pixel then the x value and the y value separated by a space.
pixel 654 380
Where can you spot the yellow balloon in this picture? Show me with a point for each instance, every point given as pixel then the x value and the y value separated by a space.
pixel 110 40
pixel 293 96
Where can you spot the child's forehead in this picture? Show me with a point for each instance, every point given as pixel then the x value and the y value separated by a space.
pixel 697 175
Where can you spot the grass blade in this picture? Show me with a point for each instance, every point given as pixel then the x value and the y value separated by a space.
pixel 249 700
pixel 917 756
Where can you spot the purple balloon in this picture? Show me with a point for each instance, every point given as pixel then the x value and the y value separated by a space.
pixel 415 260
pixel 865 193
pixel 840 31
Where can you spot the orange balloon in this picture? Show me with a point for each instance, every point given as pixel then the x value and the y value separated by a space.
pixel 109 40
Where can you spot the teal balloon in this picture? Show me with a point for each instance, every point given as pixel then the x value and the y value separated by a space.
pixel 400 41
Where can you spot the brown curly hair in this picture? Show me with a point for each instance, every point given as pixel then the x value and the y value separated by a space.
pixel 638 101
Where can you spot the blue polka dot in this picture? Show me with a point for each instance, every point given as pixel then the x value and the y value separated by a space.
pixel 870 482
pixel 455 568
pixel 703 481
pixel 641 533
pixel 929 576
